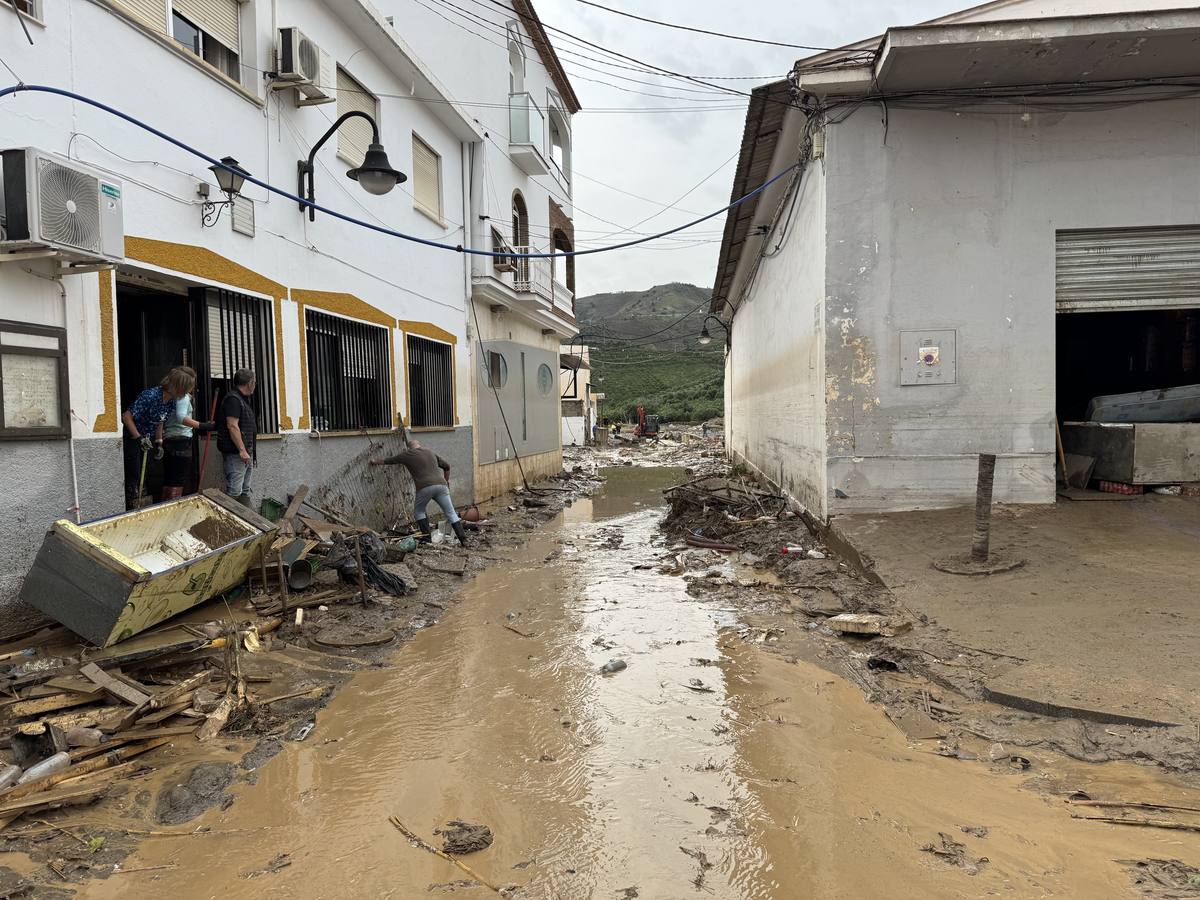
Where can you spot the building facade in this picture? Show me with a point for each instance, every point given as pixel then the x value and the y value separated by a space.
pixel 580 412
pixel 353 333
pixel 992 218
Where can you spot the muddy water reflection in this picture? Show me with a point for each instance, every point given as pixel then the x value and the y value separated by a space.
pixel 705 757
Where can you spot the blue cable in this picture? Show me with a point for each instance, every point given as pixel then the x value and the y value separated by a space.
pixel 458 248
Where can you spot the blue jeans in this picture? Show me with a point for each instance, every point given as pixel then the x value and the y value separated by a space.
pixel 440 493
pixel 238 475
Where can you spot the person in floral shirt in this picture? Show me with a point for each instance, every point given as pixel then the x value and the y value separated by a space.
pixel 144 421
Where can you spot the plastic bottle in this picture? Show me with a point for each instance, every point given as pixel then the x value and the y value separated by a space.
pixel 55 763
pixel 9 776
pixel 792 550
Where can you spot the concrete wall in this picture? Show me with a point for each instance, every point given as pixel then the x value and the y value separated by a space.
pixel 951 225
pixel 775 401
pixel 498 478
pixel 574 431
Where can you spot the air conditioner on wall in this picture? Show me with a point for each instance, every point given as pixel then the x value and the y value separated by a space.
pixel 302 64
pixel 56 204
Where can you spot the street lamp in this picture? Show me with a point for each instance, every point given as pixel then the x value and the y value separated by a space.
pixel 376 174
pixel 705 337
pixel 230 178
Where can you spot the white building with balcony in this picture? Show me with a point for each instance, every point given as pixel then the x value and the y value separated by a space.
pixel 353 333
pixel 519 188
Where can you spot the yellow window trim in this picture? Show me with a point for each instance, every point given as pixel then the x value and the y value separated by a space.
pixel 353 308
pixel 431 331
pixel 204 263
pixel 106 420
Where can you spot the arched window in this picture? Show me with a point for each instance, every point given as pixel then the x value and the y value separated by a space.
pixel 563 266
pixel 520 221
pixel 516 60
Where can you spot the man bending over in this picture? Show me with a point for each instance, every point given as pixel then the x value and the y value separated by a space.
pixel 431 478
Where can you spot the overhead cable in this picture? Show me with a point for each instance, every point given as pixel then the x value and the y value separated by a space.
pixel 288 195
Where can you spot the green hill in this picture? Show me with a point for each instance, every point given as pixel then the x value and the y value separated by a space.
pixel 645 353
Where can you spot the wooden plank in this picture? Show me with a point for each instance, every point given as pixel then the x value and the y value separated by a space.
pixel 173 693
pixel 293 508
pixel 118 689
pixel 73 683
pixel 22 708
pixel 48 798
pixel 143 734
pixel 167 711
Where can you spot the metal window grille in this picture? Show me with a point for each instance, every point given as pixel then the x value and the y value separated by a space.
pixel 239 334
pixel 349 378
pixel 430 383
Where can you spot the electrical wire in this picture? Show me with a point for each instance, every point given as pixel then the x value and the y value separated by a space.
pixel 720 34
pixel 459 248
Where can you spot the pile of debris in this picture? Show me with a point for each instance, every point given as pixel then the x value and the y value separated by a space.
pixel 75 724
pixel 735 514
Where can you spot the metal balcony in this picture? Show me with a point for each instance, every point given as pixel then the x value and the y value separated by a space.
pixel 527 135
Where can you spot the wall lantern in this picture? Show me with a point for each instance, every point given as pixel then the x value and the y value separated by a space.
pixel 230 178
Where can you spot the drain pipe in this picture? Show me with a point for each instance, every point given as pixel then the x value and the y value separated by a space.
pixel 62 291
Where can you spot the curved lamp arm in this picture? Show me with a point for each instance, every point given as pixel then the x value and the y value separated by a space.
pixel 305 188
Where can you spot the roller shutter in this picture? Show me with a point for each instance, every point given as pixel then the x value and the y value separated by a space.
pixel 152 12
pixel 218 18
pixel 355 134
pixel 1127 268
pixel 427 178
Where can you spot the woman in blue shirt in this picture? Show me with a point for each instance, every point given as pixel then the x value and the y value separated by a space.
pixel 177 442
pixel 144 422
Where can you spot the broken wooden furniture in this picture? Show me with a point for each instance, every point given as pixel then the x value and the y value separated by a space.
pixel 113 578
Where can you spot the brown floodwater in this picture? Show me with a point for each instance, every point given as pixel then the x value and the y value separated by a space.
pixel 710 767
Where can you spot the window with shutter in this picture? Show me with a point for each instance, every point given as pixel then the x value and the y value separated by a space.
pixel 427 179
pixel 217 18
pixel 355 134
pixel 152 12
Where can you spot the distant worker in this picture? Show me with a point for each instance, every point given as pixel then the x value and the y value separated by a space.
pixel 431 480
pixel 237 428
pixel 144 421
pixel 704 429
pixel 177 441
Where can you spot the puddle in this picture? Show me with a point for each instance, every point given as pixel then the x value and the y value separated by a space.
pixel 707 767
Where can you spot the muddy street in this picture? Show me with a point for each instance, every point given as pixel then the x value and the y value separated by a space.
pixel 708 766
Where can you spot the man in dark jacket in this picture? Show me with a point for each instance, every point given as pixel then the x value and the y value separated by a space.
pixel 431 480
pixel 236 430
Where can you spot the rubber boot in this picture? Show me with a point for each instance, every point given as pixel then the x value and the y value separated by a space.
pixel 243 499
pixel 426 529
pixel 460 532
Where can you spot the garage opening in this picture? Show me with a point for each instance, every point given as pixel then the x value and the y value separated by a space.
pixel 1128 354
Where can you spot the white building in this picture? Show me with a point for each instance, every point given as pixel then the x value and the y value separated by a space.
pixel 579 401
pixel 352 332
pixel 993 218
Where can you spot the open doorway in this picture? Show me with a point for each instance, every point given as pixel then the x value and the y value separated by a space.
pixel 214 331
pixel 1103 353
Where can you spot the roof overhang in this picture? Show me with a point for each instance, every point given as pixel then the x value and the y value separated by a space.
pixel 572 361
pixel 765 114
pixel 378 35
pixel 1107 47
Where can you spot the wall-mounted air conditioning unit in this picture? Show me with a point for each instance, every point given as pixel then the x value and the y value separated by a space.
pixel 302 64
pixel 52 203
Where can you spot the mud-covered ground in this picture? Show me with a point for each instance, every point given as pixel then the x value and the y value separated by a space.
pixel 627 716
pixel 931 679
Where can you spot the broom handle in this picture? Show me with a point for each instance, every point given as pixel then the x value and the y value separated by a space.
pixel 207 440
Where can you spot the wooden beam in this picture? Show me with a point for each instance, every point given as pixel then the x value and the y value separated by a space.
pixel 119 689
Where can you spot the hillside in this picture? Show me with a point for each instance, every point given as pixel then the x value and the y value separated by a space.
pixel 645 353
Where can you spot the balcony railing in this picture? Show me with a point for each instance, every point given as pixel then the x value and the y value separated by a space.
pixel 564 299
pixel 527 134
pixel 533 275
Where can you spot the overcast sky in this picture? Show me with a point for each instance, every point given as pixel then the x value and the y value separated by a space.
pixel 662 155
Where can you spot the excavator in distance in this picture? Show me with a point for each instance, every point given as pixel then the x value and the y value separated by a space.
pixel 647 426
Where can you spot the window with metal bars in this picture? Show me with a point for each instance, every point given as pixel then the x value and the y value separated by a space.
pixel 430 383
pixel 239 333
pixel 349 377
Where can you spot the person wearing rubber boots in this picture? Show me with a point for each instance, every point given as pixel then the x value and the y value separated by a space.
pixel 431 480
pixel 177 441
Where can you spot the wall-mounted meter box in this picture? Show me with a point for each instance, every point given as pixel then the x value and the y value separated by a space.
pixel 928 357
